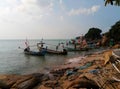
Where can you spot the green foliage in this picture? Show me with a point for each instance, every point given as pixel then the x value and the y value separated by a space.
pixel 93 33
pixel 112 2
pixel 114 32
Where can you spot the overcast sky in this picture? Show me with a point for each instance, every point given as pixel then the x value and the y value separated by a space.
pixel 54 19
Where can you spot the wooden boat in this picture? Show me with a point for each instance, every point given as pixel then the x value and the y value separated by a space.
pixel 64 52
pixel 35 53
pixel 73 49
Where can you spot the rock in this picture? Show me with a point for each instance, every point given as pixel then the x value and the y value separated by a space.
pixel 20 80
pixel 51 77
pixel 8 80
pixel 43 87
pixel 64 78
pixel 3 77
pixel 45 77
pixel 118 86
pixel 116 46
pixel 3 85
pixel 83 82
pixel 38 76
pixel 51 84
pixel 29 84
pixel 28 81
pixel 12 79
pixel 73 77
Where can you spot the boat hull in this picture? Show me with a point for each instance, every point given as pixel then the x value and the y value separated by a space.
pixel 34 53
pixel 81 49
pixel 49 51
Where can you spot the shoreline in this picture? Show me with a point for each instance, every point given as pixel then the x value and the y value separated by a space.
pixel 90 71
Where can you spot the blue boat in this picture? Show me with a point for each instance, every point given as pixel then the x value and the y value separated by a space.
pixel 42 52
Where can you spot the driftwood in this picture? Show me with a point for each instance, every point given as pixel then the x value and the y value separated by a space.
pixel 116 79
pixel 116 67
pixel 107 55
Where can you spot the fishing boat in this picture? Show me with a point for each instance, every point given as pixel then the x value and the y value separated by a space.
pixel 50 51
pixel 42 52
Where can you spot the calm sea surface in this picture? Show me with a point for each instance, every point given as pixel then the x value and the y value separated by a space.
pixel 14 61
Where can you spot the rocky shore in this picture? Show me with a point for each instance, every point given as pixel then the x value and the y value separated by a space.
pixel 94 71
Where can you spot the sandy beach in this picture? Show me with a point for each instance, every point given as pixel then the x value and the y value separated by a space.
pixel 91 71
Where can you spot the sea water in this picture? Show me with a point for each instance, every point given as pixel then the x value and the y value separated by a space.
pixel 14 61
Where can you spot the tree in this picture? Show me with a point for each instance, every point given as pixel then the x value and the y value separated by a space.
pixel 93 34
pixel 112 2
pixel 114 32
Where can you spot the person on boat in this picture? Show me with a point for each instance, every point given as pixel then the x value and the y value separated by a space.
pixel 84 43
pixel 66 43
pixel 75 46
pixel 79 42
pixel 98 44
pixel 46 47
pixel 61 45
pixel 56 47
pixel 111 43
pixel 42 45
pixel 39 46
pixel 58 44
pixel 65 51
pixel 27 49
